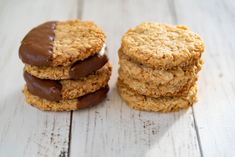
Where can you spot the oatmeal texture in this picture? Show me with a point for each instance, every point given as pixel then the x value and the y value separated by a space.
pixel 162 104
pixel 162 45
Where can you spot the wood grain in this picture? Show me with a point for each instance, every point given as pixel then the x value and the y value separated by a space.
pixel 214 113
pixel 113 129
pixel 25 131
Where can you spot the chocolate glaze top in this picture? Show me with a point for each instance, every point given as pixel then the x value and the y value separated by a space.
pixel 47 89
pixel 37 46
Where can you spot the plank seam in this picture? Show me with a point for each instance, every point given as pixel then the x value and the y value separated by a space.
pixel 80 8
pixel 79 15
pixel 197 133
pixel 172 7
pixel 70 132
pixel 175 20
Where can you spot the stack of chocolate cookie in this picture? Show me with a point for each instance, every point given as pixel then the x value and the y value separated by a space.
pixel 159 67
pixel 66 67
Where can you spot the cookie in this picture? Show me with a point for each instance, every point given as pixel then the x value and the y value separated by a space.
pixel 162 45
pixel 174 88
pixel 74 71
pixel 85 101
pixel 61 43
pixel 154 76
pixel 56 90
pixel 162 104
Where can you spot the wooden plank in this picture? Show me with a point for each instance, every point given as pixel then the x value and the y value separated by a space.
pixel 214 113
pixel 25 131
pixel 113 129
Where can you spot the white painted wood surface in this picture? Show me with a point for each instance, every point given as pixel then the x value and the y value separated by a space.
pixel 25 131
pixel 112 129
pixel 215 110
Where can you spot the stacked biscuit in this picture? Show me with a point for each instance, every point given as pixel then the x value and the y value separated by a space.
pixel 66 67
pixel 159 67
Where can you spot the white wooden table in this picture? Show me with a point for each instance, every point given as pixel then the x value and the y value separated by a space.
pixel 112 129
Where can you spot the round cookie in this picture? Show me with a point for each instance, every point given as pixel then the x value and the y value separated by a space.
pixel 174 88
pixel 61 43
pixel 161 45
pixel 75 71
pixel 162 104
pixel 54 90
pixel 155 76
pixel 85 101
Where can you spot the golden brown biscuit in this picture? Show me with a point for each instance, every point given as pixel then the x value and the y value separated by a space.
pixel 85 101
pixel 154 76
pixel 162 104
pixel 68 89
pixel 148 88
pixel 161 45
pixel 74 71
pixel 61 43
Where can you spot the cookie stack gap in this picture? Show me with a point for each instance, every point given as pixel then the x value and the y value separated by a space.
pixel 159 65
pixel 66 66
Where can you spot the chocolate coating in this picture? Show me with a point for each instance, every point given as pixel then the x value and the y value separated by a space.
pixel 87 66
pixel 37 46
pixel 47 89
pixel 92 98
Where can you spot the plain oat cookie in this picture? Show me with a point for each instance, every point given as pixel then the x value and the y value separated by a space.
pixel 162 45
pixel 162 104
pixel 175 88
pixel 156 76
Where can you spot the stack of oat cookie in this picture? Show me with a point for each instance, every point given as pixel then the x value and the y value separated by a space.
pixel 159 67
pixel 66 67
